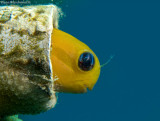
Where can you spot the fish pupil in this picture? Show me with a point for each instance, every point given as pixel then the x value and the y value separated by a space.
pixel 86 61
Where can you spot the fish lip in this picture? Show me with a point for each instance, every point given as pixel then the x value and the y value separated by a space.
pixel 86 88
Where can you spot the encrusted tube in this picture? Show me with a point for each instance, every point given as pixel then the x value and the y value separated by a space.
pixel 26 82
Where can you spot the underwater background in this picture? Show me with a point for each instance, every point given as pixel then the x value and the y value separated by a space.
pixel 128 88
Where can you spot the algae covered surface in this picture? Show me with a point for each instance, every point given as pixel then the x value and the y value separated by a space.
pixel 26 82
pixel 128 88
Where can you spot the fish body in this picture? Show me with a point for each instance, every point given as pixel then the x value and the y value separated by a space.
pixel 72 75
pixel 37 60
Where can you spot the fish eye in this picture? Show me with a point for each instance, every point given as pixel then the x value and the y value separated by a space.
pixel 86 61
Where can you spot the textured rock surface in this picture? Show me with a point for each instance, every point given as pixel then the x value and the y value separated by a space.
pixel 26 83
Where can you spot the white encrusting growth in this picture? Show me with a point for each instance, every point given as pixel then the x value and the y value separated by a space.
pixel 25 67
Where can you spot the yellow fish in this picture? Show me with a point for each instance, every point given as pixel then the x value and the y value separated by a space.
pixel 74 64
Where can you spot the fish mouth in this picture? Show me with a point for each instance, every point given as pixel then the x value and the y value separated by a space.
pixel 86 88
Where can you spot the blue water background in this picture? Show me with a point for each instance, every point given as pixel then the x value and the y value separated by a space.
pixel 129 86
